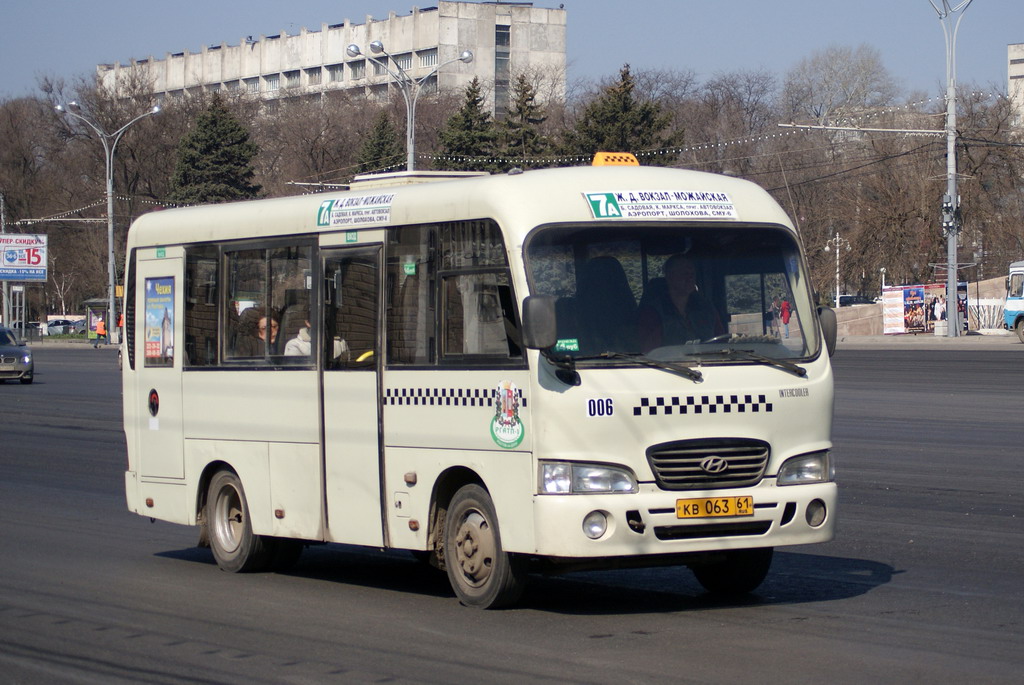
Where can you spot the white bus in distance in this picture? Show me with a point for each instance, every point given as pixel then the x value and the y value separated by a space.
pixel 530 372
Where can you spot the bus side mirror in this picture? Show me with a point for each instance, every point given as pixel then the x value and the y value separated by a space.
pixel 539 331
pixel 829 327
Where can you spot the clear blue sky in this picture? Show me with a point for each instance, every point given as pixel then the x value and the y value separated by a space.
pixel 68 38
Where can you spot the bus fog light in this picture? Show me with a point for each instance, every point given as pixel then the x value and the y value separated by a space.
pixel 815 513
pixel 595 524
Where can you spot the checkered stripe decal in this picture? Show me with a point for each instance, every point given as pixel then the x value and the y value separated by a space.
pixel 703 404
pixel 444 397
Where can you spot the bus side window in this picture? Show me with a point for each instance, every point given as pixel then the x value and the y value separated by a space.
pixel 479 319
pixel 1017 285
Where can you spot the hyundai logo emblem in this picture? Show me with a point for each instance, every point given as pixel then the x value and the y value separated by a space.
pixel 713 464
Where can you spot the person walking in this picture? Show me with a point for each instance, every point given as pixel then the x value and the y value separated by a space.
pixel 101 332
pixel 784 314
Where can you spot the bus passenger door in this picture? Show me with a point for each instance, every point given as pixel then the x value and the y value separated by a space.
pixel 350 339
pixel 158 325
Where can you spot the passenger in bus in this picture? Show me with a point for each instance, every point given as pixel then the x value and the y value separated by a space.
pixel 257 328
pixel 302 344
pixel 673 311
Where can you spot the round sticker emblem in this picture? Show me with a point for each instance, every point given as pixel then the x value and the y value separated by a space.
pixel 506 428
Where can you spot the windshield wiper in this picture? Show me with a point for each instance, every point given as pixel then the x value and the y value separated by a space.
pixel 750 355
pixel 691 373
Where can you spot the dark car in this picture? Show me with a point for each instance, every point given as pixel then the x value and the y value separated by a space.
pixel 15 358
pixel 848 300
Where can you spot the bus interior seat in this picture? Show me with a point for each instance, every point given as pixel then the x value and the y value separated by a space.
pixel 607 308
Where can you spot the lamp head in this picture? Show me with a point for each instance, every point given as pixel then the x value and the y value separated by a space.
pixel 466 56
pixel 155 110
pixel 353 50
pixel 376 47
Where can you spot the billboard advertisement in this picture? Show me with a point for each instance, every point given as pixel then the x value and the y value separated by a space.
pixel 22 257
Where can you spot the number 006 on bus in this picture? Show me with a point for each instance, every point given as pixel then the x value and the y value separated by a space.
pixel 705 507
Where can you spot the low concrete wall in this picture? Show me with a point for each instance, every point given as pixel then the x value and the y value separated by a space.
pixel 861 319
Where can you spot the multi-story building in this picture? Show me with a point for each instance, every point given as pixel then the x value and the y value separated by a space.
pixel 506 39
pixel 1015 80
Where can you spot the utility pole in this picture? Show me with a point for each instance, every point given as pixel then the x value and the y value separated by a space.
pixel 951 219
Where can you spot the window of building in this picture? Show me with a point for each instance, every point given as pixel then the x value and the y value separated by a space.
pixel 428 58
pixel 232 86
pixel 502 64
pixel 404 61
pixel 357 70
pixel 1017 61
pixel 292 79
pixel 335 72
pixel 502 36
pixel 273 82
pixel 252 85
pixel 378 69
pixel 313 76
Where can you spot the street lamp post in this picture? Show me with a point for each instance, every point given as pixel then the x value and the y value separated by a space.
pixel 837 243
pixel 109 141
pixel 951 201
pixel 409 87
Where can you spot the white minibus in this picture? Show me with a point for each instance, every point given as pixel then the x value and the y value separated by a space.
pixel 533 372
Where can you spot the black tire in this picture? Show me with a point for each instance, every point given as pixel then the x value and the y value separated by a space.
pixel 26 380
pixel 1020 329
pixel 482 574
pixel 234 546
pixel 741 571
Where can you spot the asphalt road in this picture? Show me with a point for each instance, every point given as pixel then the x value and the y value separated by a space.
pixel 922 584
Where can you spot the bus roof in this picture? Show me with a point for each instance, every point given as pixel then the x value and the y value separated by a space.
pixel 517 201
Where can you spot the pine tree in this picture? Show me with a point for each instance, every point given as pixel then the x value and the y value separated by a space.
pixel 382 150
pixel 469 133
pixel 617 122
pixel 214 160
pixel 522 143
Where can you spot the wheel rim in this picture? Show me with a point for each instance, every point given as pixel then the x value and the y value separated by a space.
pixel 229 519
pixel 475 549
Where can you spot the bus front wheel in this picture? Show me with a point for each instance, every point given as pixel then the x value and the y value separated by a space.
pixel 740 571
pixel 482 574
pixel 1020 329
pixel 232 541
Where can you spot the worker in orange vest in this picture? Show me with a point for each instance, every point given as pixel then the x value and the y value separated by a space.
pixel 101 332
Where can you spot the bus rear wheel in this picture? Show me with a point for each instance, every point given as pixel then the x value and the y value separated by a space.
pixel 1020 329
pixel 234 546
pixel 739 572
pixel 482 574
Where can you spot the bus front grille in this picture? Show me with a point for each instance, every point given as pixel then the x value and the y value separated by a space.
pixel 708 463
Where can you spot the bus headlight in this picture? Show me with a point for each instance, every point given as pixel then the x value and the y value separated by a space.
pixel 560 478
pixel 807 468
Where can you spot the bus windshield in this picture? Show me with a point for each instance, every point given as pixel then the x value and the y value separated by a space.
pixel 675 293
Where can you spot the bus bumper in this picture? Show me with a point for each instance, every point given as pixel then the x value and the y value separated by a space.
pixel 646 523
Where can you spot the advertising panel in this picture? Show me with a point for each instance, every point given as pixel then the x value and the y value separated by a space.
pixel 22 257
